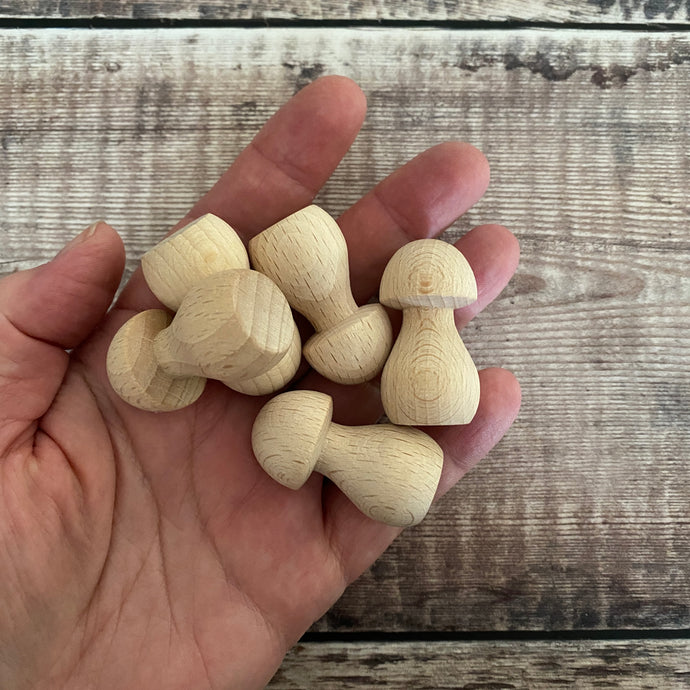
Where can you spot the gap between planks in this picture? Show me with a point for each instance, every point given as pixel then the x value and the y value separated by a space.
pixel 119 23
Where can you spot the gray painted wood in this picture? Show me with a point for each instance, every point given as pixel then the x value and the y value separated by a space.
pixel 579 519
pixel 580 11
pixel 514 665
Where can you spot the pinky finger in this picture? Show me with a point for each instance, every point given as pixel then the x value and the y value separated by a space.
pixel 357 539
pixel 464 446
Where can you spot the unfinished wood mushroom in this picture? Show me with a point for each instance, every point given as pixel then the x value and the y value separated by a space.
pixel 389 472
pixel 306 255
pixel 206 246
pixel 429 377
pixel 234 326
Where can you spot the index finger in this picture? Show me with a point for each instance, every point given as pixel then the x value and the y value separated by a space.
pixel 281 170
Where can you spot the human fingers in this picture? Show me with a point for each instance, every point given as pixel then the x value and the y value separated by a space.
pixel 357 539
pixel 281 170
pixel 493 253
pixel 419 200
pixel 43 312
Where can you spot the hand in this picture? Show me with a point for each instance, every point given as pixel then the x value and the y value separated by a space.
pixel 145 551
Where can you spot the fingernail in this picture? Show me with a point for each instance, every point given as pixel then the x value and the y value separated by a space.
pixel 83 236
pixel 90 231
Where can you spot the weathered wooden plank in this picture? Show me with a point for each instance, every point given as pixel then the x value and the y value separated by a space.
pixel 580 518
pixel 514 665
pixel 581 11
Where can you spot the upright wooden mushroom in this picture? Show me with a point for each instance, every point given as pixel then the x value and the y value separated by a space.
pixel 429 378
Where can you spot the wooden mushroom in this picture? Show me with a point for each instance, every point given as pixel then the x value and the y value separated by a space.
pixel 306 255
pixel 235 326
pixel 429 377
pixel 201 248
pixel 389 472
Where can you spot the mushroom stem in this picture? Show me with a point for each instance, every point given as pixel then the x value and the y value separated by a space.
pixel 429 378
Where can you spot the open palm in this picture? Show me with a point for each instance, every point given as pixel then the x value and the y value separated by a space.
pixel 142 550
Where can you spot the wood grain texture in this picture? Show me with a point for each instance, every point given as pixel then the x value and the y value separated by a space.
pixel 579 519
pixel 234 326
pixel 429 378
pixel 204 247
pixel 306 256
pixel 389 472
pixel 134 372
pixel 594 11
pixel 500 665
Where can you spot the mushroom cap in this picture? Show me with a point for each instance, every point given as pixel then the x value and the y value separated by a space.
pixel 355 349
pixel 428 273
pixel 134 371
pixel 289 435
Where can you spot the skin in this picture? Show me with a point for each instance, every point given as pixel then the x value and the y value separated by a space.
pixel 150 551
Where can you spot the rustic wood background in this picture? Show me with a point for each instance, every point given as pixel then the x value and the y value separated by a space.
pixel 581 11
pixel 564 559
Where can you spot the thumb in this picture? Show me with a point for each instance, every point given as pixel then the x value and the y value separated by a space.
pixel 43 312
